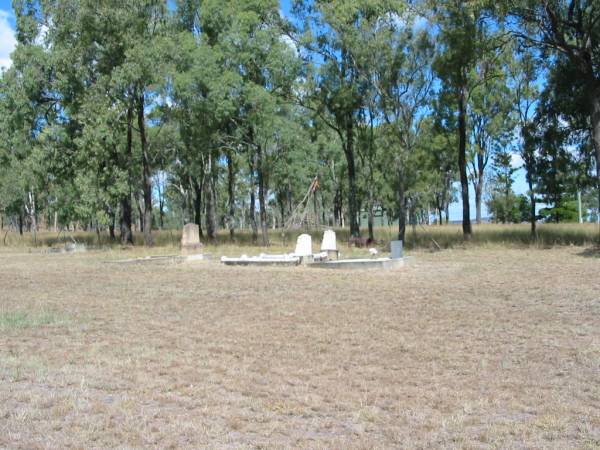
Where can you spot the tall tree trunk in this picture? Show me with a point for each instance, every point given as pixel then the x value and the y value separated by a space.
pixel 210 201
pixel 439 205
pixel 161 207
pixel 352 197
pixel 161 213
pixel 33 214
pixel 479 186
pixel 231 193
pixel 262 197
pixel 478 192
pixel 596 138
pixel 140 210
pixel 111 223
pixel 337 207
pixel 412 216
pixel 401 212
pixel 147 174
pixel 126 233
pixel 20 220
pixel 528 158
pixel 371 221
pixel 532 210
pixel 288 194
pixel 371 195
pixel 252 212
pixel 281 205
pixel 253 202
pixel 316 209
pixel 197 187
pixel 111 229
pixel 126 209
pixel 462 163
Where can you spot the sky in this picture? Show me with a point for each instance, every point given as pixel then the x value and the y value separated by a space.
pixel 7 44
pixel 7 34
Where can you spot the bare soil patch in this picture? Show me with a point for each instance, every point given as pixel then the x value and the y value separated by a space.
pixel 475 348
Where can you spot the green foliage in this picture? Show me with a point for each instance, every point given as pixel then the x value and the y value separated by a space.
pixel 153 114
pixel 565 211
pixel 502 203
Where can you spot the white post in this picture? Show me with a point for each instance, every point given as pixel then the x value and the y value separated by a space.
pixel 579 206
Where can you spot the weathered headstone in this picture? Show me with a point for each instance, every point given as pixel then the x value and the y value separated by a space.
pixel 329 245
pixel 190 240
pixel 396 249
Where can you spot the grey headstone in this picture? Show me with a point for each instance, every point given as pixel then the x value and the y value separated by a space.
pixel 396 249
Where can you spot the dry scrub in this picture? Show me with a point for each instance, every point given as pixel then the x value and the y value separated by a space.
pixel 477 348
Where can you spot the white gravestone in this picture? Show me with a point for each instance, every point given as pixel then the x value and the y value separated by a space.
pixel 329 244
pixel 303 246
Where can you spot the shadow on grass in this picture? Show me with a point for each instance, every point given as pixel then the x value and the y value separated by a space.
pixel 592 252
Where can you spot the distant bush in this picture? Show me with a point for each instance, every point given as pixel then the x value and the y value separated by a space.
pixel 446 236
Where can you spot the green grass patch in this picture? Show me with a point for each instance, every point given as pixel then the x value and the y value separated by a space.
pixel 10 320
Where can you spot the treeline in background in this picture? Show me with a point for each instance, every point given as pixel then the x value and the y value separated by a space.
pixel 137 116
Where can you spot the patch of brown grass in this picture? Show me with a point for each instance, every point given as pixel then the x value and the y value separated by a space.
pixel 476 348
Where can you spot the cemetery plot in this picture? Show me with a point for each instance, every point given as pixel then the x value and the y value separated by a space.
pixel 327 258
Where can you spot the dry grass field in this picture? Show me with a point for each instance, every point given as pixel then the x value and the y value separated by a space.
pixel 466 348
pixel 418 237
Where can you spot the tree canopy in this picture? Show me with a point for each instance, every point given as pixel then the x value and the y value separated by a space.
pixel 136 116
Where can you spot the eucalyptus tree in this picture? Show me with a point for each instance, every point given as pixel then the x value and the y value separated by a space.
pixel 27 105
pixel 228 93
pixel 438 146
pixel 554 165
pixel 294 159
pixel 14 132
pixel 403 79
pixel 203 107
pixel 368 152
pixel 335 34
pixel 268 67
pixel 569 30
pixel 502 201
pixel 147 43
pixel 468 37
pixel 97 118
pixel 331 168
pixel 564 154
pixel 91 48
pixel 524 71
pixel 491 119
